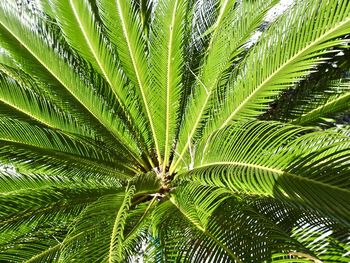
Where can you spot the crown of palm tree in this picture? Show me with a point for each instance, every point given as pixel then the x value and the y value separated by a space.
pixel 135 130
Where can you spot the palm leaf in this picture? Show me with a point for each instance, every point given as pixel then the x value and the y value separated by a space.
pixel 109 230
pixel 111 220
pixel 95 49
pixel 47 144
pixel 124 28
pixel 45 7
pixel 226 44
pixel 319 86
pixel 167 38
pixel 278 160
pixel 43 82
pixel 24 98
pixel 59 200
pixel 136 231
pixel 232 232
pixel 124 134
pixel 252 90
pixel 321 235
pixel 328 104
pixel 29 228
pixel 40 244
pixel 69 79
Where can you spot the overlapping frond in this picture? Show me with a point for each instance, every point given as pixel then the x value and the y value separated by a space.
pixel 167 38
pixel 321 236
pixel 83 33
pixel 137 231
pixel 73 15
pixel 29 199
pixel 20 64
pixel 24 98
pixel 32 202
pixel 44 149
pixel 320 85
pixel 40 244
pixel 125 31
pixel 288 162
pixel 57 66
pixel 336 99
pixel 117 222
pixel 233 230
pixel 288 51
pixel 233 27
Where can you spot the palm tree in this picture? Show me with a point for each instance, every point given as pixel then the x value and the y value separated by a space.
pixel 140 129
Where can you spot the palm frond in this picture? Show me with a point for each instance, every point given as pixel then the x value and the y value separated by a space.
pixel 148 183
pixel 40 244
pixel 321 235
pixel 31 159
pixel 39 200
pixel 130 130
pixel 232 29
pixel 253 89
pixel 20 64
pixel 334 100
pixel 104 220
pixel 136 231
pixel 125 31
pixel 167 38
pixel 95 48
pixel 23 97
pixel 60 200
pixel 57 66
pixel 12 182
pixel 224 236
pixel 45 7
pixel 83 33
pixel 287 162
pixel 317 85
pixel 47 144
pixel 117 220
pixel 343 130
pixel 145 10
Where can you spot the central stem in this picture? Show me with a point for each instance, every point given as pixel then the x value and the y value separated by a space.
pixel 165 179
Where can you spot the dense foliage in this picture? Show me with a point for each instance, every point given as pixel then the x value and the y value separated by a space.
pixel 161 130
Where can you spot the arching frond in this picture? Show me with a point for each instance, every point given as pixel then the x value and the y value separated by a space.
pixel 232 29
pixel 233 230
pixel 288 162
pixel 318 86
pixel 323 237
pixel 63 72
pixel 43 198
pixel 329 103
pixel 95 48
pixel 39 244
pixel 285 54
pixel 117 220
pixel 115 248
pixel 23 65
pixel 39 200
pixel 30 103
pixel 110 213
pixel 46 148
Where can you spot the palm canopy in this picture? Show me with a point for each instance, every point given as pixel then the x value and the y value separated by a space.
pixel 136 129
